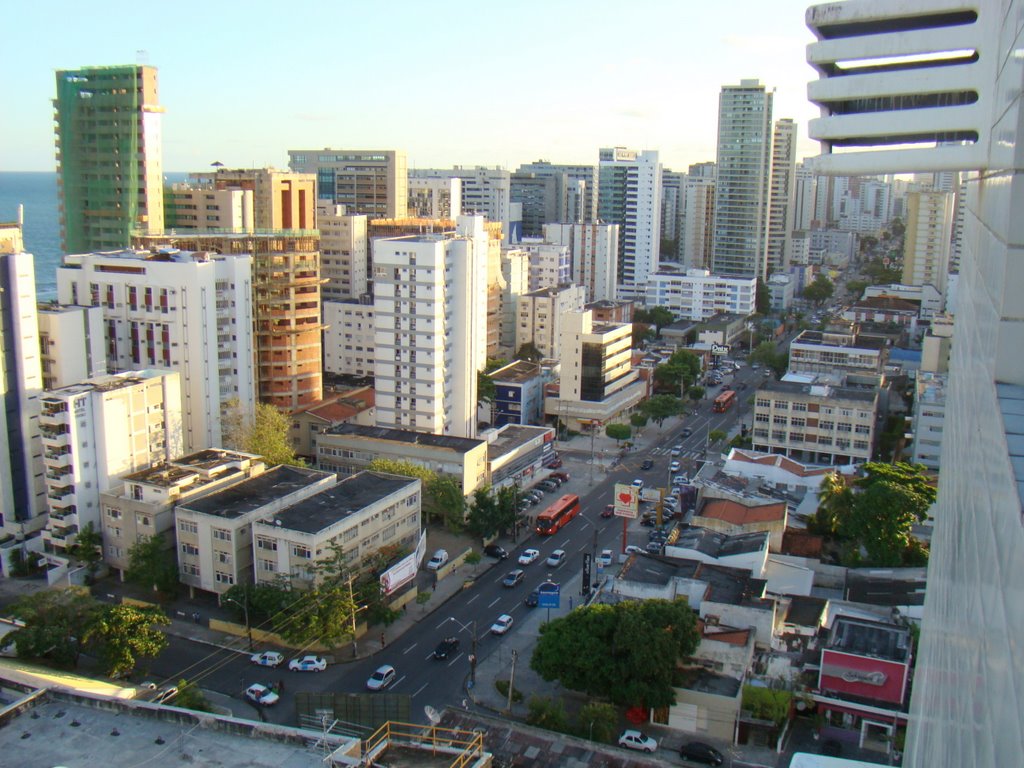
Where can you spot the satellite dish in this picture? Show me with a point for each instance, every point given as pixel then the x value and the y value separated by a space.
pixel 432 714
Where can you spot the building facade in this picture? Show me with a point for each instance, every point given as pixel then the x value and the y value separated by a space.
pixel 929 417
pixel 371 182
pixel 835 351
pixel 594 252
pixel 927 239
pixel 109 156
pixel 435 198
pixel 780 196
pixel 71 343
pixel 344 253
pixel 518 394
pixel 349 335
pixel 540 314
pixel 697 227
pixel 576 189
pixel 698 295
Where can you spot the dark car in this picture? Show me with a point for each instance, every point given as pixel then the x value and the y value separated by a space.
pixel 554 463
pixel 562 476
pixel 647 464
pixel 608 511
pixel 446 648
pixel 532 599
pixel 699 752
pixel 687 432
pixel 649 522
pixel 493 550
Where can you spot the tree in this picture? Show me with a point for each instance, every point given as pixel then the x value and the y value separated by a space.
pixel 889 500
pixel 545 712
pixel 835 499
pixel 680 371
pixel 695 393
pixel 56 621
pixel 661 407
pixel 266 434
pixel 124 633
pixel 618 432
pixel 638 420
pixel 153 565
pixel 89 548
pixel 598 721
pixel 716 436
pixel 492 513
pixel 442 497
pixel 529 352
pixel 767 703
pixel 485 389
pixel 763 298
pixel 619 652
pixel 190 697
pixel 769 356
pixel 819 291
pixel 856 288
pixel 322 614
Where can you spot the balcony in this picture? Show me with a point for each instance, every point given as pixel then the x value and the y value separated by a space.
pixel 63 495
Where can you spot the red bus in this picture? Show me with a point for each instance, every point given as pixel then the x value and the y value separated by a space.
pixel 724 401
pixel 558 514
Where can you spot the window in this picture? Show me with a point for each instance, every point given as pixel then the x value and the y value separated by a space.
pixel 265 565
pixel 779 420
pixel 187 526
pixel 113 514
pixel 189 569
pixel 114 531
pixel 224 557
pixel 265 543
pixel 221 534
pixel 224 578
pixel 137 492
pixel 801 407
pixel 300 550
pixel 189 549
pixel 827 425
pixel 796 421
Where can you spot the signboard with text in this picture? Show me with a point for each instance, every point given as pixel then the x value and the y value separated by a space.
pixel 627 500
pixel 548 595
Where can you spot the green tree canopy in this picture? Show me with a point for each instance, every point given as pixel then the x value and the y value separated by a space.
pixel 89 547
pixel 442 497
pixel 124 633
pixel 681 370
pixel 266 434
pixel 695 393
pixel 659 317
pixel 626 653
pixel 491 513
pixel 485 389
pixel 768 355
pixel 835 499
pixel 152 564
pixel 820 290
pixel 763 299
pixel 529 352
pixel 56 622
pixel 661 407
pixel 618 431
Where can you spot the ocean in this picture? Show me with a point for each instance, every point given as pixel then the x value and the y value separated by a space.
pixel 38 193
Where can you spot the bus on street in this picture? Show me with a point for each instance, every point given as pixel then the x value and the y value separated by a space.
pixel 558 514
pixel 724 401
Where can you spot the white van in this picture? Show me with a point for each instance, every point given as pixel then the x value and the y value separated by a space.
pixel 440 558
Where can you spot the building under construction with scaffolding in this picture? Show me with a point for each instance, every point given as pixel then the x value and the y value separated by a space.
pixel 109 157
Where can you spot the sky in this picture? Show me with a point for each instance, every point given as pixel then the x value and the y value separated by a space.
pixel 451 83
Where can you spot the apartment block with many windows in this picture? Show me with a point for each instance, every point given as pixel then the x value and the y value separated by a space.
pixel 837 351
pixel 815 424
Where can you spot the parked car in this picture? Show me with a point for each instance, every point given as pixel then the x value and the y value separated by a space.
pixel 563 476
pixel 310 663
pixel 608 511
pixel 647 464
pixel 439 559
pixel 548 485
pixel 532 599
pixel 502 625
pixel 555 463
pixel 655 547
pixel 514 578
pixel 524 505
pixel 164 696
pixel 686 432
pixel 637 740
pixel 677 450
pixel 382 677
pixel 535 496
pixel 632 549
pixel 496 551
pixel 638 484
pixel 556 558
pixel 649 521
pixel 528 556
pixel 700 752
pixel 446 648
pixel 261 694
pixel 674 466
pixel 267 659
pixel 680 480
pixel 556 480
pixel 605 558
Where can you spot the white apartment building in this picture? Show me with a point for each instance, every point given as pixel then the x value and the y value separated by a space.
pixel 373 182
pixel 142 505
pixel 836 351
pixel 594 252
pixel 929 416
pixel 539 316
pixel 214 533
pixel 435 198
pixel 485 191
pixel 71 344
pixel 189 312
pixel 780 196
pixel 630 195
pixel 697 227
pixel 430 319
pixel 344 253
pixel 781 292
pixel 742 188
pixel 22 491
pixel 362 514
pixel 515 281
pixel 816 424
pixel 97 431
pixel 349 335
pixel 671 207
pixel 926 241
pixel 937 344
pixel 805 194
pixel 927 297
pixel 697 294
pixel 550 264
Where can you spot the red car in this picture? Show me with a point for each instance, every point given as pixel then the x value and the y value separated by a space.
pixel 608 511
pixel 555 463
pixel 563 476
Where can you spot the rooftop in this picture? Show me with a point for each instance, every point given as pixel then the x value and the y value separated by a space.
pixel 703 681
pixel 256 492
pixel 886 588
pixel 349 496
pixel 511 436
pixel 458 444
pixel 516 372
pixel 107 383
pixel 805 611
pixel 886 304
pixel 825 392
pixel 832 339
pixel 782 462
pixel 869 638
pixel 715 544
pixel 735 513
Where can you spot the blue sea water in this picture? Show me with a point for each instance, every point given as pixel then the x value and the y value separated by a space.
pixel 38 193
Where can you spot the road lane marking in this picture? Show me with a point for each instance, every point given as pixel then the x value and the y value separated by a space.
pixel 420 690
pixel 474 597
pixel 494 601
pixel 441 624
pixel 398 682
pixel 455 659
pixel 409 648
pixel 564 544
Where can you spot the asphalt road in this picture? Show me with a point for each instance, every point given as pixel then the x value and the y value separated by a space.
pixel 469 614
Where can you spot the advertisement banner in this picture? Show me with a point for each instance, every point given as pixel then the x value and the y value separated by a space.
pixel 627 500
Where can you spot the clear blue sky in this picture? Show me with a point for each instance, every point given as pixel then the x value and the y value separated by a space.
pixel 481 83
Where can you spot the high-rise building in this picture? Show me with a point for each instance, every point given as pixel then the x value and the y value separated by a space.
pixel 22 493
pixel 539 316
pixel 697 227
pixel 594 250
pixel 742 187
pixel 805 193
pixel 96 431
pixel 780 201
pixel 485 192
pixel 576 189
pixel 189 205
pixel 538 196
pixel 967 703
pixel 435 198
pixel 71 343
pixel 430 315
pixel 109 159
pixel 630 196
pixel 672 186
pixel 372 182
pixel 280 199
pixel 180 311
pixel 344 249
pixel 926 239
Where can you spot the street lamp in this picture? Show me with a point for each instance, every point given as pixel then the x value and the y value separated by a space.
pixel 472 655
pixel 245 609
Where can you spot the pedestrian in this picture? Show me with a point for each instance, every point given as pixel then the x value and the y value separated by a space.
pixel 381 639
pixel 280 685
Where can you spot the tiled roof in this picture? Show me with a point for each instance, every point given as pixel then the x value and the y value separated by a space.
pixel 733 512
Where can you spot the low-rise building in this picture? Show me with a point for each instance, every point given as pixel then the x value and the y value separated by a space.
pixel 929 416
pixel 699 295
pixel 780 472
pixel 539 316
pixel 820 424
pixel 736 516
pixel 747 551
pixel 926 298
pixel 518 394
pixel 214 532
pixel 836 351
pixel 886 310
pixel 348 406
pixel 362 515
pixel 781 291
pixel 516 454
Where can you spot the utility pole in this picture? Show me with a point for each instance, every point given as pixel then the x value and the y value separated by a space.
pixel 352 599
pixel 472 658
pixel 512 678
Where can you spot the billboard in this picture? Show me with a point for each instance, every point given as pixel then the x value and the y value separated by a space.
pixel 627 500
pixel 548 595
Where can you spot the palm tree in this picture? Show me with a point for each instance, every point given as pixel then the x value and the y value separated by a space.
pixel 835 500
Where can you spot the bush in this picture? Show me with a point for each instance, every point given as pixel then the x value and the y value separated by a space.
pixel 547 713
pixel 502 686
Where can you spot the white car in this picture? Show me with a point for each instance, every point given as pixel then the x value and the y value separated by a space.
pixel 556 558
pixel 638 484
pixel 261 694
pixel 308 664
pixel 502 625
pixel 382 677
pixel 632 549
pixel 605 558
pixel 267 659
pixel 674 466
pixel 440 558
pixel 529 556
pixel 637 740
pixel 677 450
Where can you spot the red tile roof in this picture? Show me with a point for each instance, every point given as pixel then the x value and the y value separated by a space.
pixel 735 513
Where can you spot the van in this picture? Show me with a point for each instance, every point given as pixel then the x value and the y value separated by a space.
pixel 439 559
